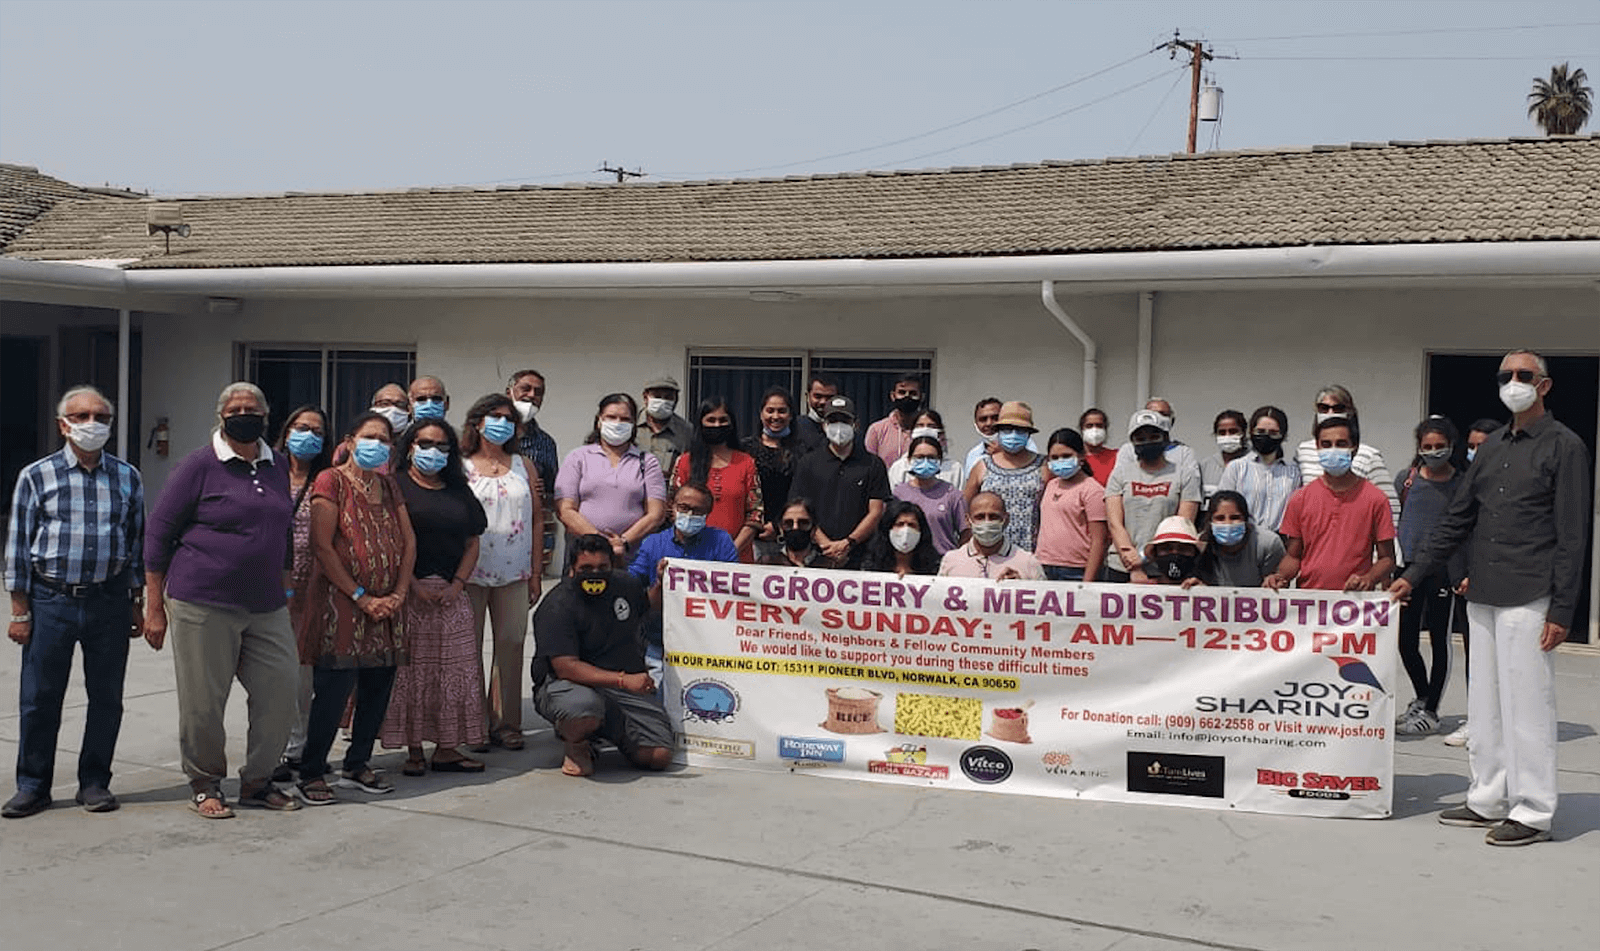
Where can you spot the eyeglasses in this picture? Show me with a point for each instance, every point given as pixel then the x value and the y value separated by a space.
pixel 1332 408
pixel 105 418
pixel 1266 432
pixel 1522 376
pixel 786 525
pixel 430 399
pixel 687 510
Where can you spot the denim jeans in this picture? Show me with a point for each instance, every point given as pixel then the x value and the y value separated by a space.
pixel 1062 573
pixel 330 688
pixel 100 624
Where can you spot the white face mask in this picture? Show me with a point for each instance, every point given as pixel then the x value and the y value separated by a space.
pixel 1095 436
pixel 1230 443
pixel 839 434
pixel 526 410
pixel 928 431
pixel 88 436
pixel 1326 416
pixel 397 417
pixel 659 408
pixel 904 538
pixel 1518 395
pixel 615 432
pixel 988 438
pixel 988 533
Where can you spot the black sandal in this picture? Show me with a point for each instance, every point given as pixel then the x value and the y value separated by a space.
pixel 199 799
pixel 269 796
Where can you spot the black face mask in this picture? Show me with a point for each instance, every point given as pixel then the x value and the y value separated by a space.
pixel 592 583
pixel 1149 451
pixel 1171 567
pixel 1266 445
pixel 715 435
pixel 906 405
pixel 797 539
pixel 246 427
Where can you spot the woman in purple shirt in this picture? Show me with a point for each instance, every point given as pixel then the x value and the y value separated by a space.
pixel 608 486
pixel 216 575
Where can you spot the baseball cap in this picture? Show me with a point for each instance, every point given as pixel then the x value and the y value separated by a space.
pixel 839 406
pixel 1149 417
pixel 662 383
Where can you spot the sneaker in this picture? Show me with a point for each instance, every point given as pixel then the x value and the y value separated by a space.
pixel 363 779
pixel 1464 816
pixel 1512 832
pixel 1459 737
pixel 96 799
pixel 25 804
pixel 1420 723
pixel 1411 708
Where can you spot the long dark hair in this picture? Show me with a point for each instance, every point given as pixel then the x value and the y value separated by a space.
pixel 699 449
pixel 786 444
pixel 1444 427
pixel 453 475
pixel 472 437
pixel 1206 565
pixel 881 554
pixel 1072 439
pixel 321 460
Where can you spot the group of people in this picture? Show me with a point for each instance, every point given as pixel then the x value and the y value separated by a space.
pixel 348 579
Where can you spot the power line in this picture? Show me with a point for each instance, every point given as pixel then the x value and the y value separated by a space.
pixel 1167 95
pixel 1435 30
pixel 1405 59
pixel 944 128
pixel 1079 108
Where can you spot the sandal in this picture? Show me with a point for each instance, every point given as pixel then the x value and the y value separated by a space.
pixel 509 738
pixel 198 801
pixel 462 765
pixel 268 796
pixel 316 792
pixel 415 766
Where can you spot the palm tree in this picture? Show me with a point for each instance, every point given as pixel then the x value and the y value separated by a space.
pixel 1561 106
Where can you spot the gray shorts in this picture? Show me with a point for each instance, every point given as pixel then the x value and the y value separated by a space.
pixel 627 719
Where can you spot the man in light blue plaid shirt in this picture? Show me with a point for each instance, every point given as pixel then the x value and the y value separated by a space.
pixel 75 569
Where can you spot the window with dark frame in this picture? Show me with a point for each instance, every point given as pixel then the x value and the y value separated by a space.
pixel 741 376
pixel 339 379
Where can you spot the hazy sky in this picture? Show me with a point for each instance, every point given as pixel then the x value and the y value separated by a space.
pixel 215 96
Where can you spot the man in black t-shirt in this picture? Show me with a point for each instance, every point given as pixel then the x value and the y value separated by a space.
pixel 848 487
pixel 589 673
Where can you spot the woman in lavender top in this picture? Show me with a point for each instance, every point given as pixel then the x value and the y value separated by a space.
pixel 608 486
pixel 216 575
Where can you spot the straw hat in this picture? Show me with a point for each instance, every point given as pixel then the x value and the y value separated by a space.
pixel 1017 415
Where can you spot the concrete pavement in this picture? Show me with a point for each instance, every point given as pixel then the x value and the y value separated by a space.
pixel 523 857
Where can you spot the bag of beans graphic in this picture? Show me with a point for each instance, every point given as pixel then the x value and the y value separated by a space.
pixel 1010 723
pixel 852 710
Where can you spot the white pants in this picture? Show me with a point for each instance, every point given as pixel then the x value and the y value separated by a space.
pixel 1511 706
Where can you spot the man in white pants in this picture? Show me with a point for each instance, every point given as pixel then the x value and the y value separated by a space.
pixel 1524 505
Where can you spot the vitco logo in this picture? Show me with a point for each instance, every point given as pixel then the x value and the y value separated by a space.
pixel 986 765
pixel 1317 785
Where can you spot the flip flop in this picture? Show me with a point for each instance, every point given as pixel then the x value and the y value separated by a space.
pixel 200 797
pixel 463 765
pixel 415 767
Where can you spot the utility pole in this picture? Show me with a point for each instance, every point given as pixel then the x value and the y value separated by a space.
pixel 1197 57
pixel 623 174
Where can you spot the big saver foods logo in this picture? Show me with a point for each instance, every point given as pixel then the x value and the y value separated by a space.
pixel 1317 785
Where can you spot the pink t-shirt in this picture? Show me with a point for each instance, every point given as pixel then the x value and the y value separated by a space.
pixel 1338 529
pixel 1065 511
pixel 886 440
pixel 966 561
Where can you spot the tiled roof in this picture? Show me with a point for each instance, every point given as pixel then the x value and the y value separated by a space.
pixel 25 194
pixel 1398 192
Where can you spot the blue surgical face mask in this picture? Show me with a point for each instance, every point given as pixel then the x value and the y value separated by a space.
pixel 778 433
pixel 498 429
pixel 428 408
pixel 924 467
pixel 1066 467
pixel 1013 440
pixel 371 453
pixel 1471 452
pixel 304 444
pixel 1335 462
pixel 688 524
pixel 1228 533
pixel 428 459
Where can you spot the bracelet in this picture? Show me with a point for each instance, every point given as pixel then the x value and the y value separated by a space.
pixel 359 593
pixel 620 675
pixel 22 618
pixel 462 580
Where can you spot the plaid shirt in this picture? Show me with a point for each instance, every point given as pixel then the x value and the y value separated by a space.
pixel 75 525
pixel 539 447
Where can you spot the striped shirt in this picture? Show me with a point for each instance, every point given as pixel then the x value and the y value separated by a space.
pixel 75 525
pixel 1266 488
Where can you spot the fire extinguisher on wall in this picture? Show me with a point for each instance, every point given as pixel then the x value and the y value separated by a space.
pixel 160 437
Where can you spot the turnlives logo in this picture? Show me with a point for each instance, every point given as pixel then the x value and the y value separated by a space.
pixel 1176 774
pixel 1317 785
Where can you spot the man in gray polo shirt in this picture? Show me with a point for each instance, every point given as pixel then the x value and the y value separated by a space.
pixel 1523 505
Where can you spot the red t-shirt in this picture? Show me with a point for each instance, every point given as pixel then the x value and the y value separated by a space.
pixel 1338 529
pixel 1102 459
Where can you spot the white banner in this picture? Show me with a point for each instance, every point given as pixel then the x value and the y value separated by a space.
pixel 1224 698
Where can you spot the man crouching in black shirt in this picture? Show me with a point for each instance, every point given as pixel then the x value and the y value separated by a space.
pixel 589 674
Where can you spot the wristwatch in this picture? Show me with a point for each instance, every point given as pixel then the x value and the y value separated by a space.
pixel 22 618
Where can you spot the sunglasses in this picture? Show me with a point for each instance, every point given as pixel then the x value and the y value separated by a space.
pixel 431 444
pixel 1521 376
pixel 103 418
pixel 1332 408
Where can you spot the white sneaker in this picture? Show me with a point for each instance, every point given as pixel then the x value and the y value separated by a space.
pixel 1409 711
pixel 1422 722
pixel 1459 737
